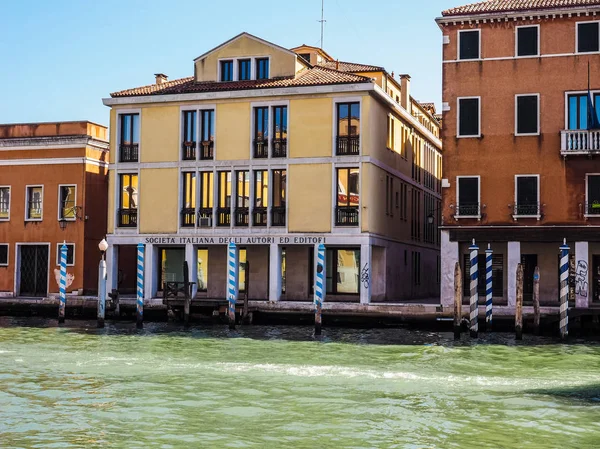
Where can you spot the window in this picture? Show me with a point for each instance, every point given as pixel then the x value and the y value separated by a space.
pixel 468 117
pixel 468 196
pixel 244 69
pixel 128 200
pixel 262 68
pixel 348 197
pixel 35 196
pixel 242 271
pixel 66 205
pixel 527 195
pixel 224 200
pixel 578 110
pixel 170 268
pixel 70 253
pixel 226 70
pixel 527 120
pixel 342 266
pixel 242 205
pixel 188 200
pixel 305 56
pixel 416 267
pixel 468 44
pixel 278 209
pixel 129 137
pixel 3 255
pixel 207 134
pixel 593 195
pixel 497 275
pixel 389 195
pixel 348 129
pixel 261 132
pixel 390 133
pixel 189 136
pixel 397 202
pixel 528 41
pixel 4 203
pixel 207 191
pixel 261 197
pixel 279 131
pixel 588 37
pixel 202 269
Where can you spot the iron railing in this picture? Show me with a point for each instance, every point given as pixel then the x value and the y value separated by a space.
pixel 261 148
pixel 206 150
pixel 527 210
pixel 592 208
pixel 259 216
pixel 346 216
pixel 242 216
pixel 128 218
pixel 280 147
pixel 224 216
pixel 128 152
pixel 468 210
pixel 189 151
pixel 348 145
pixel 278 216
pixel 579 141
pixel 188 217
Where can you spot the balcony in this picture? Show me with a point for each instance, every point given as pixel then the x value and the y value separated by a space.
pixel 261 148
pixel 347 145
pixel 224 216
pixel 128 218
pixel 592 209
pixel 242 216
pixel 189 151
pixel 468 210
pixel 278 216
pixel 279 147
pixel 206 150
pixel 527 211
pixel 579 141
pixel 259 216
pixel 128 152
pixel 188 217
pixel 346 216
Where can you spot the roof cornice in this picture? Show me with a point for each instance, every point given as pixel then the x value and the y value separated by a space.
pixel 515 15
pixel 24 143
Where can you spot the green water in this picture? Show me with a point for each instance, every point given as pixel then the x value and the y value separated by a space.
pixel 278 387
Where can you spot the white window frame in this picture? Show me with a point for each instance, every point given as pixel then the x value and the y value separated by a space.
pixel 270 105
pixel 458 58
pixel 334 196
pixel 575 92
pixel 7 255
pixel 334 129
pixel 538 216
pixel 121 112
pixel 198 108
pixel 236 74
pixel 58 245
pixel 586 214
pixel 458 178
pixel 118 173
pixel 9 201
pixel 517 114
pixel 577 52
pixel 74 205
pixel 27 187
pixel 539 39
pixel 474 136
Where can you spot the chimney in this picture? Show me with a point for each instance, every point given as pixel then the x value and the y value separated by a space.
pixel 405 93
pixel 161 78
pixel 392 73
pixel 337 64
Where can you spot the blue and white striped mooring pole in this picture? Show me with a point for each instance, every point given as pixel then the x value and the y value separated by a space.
pixel 564 290
pixel 232 282
pixel 140 286
pixel 62 284
pixel 474 295
pixel 488 288
pixel 319 282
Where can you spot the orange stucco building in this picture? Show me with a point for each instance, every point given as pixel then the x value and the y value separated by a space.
pixel 521 170
pixel 53 189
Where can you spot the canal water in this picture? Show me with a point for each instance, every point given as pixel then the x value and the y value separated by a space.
pixel 279 387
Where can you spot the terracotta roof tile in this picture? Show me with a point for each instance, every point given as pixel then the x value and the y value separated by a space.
pixel 315 76
pixel 351 66
pixel 500 6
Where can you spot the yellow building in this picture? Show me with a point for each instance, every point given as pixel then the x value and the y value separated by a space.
pixel 278 151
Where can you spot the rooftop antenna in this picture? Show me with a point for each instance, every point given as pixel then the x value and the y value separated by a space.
pixel 322 22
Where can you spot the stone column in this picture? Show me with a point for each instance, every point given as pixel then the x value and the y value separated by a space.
pixel 191 256
pixel 514 259
pixel 449 257
pixel 274 272
pixel 150 258
pixel 582 275
pixel 112 268
pixel 364 275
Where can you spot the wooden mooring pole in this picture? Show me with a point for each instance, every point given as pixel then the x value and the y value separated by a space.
pixel 458 297
pixel 519 305
pixel 232 282
pixel 474 303
pixel 319 287
pixel 536 301
pixel 246 290
pixel 187 294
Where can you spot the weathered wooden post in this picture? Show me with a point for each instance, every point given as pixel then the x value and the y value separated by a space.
pixel 488 288
pixel 519 305
pixel 62 284
pixel 187 294
pixel 536 301
pixel 458 297
pixel 140 286
pixel 246 292
pixel 101 292
pixel 319 287
pixel 564 290
pixel 232 282
pixel 474 329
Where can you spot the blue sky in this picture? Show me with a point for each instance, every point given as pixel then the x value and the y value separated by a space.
pixel 60 58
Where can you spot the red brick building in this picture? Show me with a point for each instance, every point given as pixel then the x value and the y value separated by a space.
pixel 521 165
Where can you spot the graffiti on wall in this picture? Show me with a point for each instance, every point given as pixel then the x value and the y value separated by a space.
pixel 581 286
pixel 364 276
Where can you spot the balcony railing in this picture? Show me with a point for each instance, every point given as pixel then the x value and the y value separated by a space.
pixel 280 147
pixel 527 210
pixel 224 216
pixel 128 152
pixel 259 216
pixel 593 208
pixel 261 148
pixel 189 151
pixel 278 216
pixel 468 210
pixel 346 216
pixel 242 216
pixel 348 145
pixel 579 141
pixel 188 217
pixel 128 218
pixel 206 150
pixel 205 215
